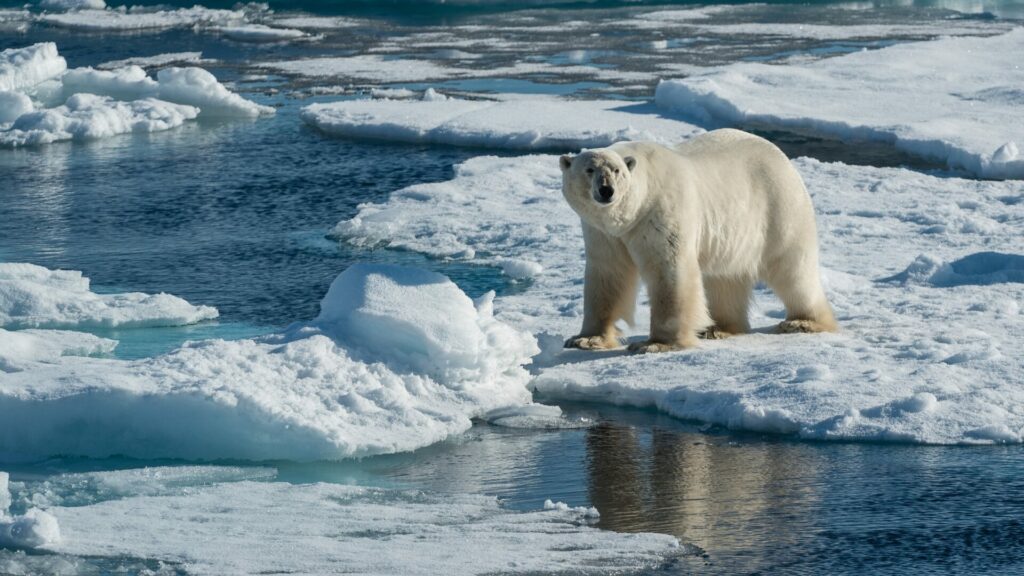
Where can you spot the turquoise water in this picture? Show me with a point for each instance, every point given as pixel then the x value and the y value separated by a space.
pixel 235 214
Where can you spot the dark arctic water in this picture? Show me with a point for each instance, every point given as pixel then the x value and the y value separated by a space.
pixel 235 214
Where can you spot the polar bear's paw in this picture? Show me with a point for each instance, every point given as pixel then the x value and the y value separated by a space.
pixel 592 342
pixel 800 327
pixel 714 333
pixel 649 347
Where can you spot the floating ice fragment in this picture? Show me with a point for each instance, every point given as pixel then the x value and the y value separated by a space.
pixel 32 529
pixel 21 68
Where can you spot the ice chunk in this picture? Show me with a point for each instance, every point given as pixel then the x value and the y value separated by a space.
pixel 35 297
pixel 249 527
pixel 261 33
pixel 911 363
pixel 197 87
pixel 32 529
pixel 425 361
pixel 535 123
pixel 19 350
pixel 22 68
pixel 960 105
pixel 12 105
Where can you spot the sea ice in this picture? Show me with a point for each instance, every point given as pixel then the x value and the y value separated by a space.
pixel 260 527
pixel 73 4
pixel 155 61
pixel 19 350
pixel 22 68
pixel 398 359
pixel 959 99
pixel 35 297
pixel 533 123
pixel 261 33
pixel 943 346
pixel 142 19
pixel 32 529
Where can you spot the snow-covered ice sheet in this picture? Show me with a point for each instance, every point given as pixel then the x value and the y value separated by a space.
pixel 268 527
pixel 957 100
pixel 397 359
pixel 920 357
pixel 534 123
pixel 35 297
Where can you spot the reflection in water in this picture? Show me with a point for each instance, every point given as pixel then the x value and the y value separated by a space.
pixel 713 496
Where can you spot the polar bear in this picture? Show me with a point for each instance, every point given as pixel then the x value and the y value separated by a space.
pixel 701 223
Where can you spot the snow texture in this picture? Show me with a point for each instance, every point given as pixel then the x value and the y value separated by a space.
pixel 35 297
pixel 22 68
pixel 258 527
pixel 398 359
pixel 959 99
pixel 32 529
pixel 926 352
pixel 529 124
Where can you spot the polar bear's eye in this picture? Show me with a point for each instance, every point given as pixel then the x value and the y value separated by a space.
pixel 616 170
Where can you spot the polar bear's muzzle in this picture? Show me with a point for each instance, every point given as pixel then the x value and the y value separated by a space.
pixel 604 194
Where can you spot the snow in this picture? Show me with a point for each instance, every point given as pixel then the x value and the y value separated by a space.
pixel 958 102
pixel 140 19
pixel 35 297
pixel 261 33
pixel 258 527
pixel 32 529
pixel 335 387
pixel 521 124
pixel 925 357
pixel 21 349
pixel 22 68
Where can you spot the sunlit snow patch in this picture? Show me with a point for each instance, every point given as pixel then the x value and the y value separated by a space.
pixel 959 99
pixel 536 123
pixel 35 297
pixel 931 362
pixel 397 359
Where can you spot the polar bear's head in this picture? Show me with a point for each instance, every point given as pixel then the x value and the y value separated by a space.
pixel 599 186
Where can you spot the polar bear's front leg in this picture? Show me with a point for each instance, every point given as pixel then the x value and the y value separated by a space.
pixel 609 292
pixel 678 306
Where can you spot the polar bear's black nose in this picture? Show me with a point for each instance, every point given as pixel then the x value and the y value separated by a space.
pixel 606 193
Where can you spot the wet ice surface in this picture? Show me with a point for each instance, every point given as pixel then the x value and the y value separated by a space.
pixel 234 215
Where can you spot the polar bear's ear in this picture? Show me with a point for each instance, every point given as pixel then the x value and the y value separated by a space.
pixel 565 162
pixel 630 162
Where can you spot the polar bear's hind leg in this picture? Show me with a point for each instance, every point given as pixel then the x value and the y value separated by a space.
pixel 795 280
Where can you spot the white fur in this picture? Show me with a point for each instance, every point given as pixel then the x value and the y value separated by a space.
pixel 701 223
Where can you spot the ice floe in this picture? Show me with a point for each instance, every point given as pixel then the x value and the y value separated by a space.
pixel 398 359
pixel 534 123
pixel 916 361
pixel 73 4
pixel 251 527
pixel 261 33
pixel 86 103
pixel 140 18
pixel 959 99
pixel 35 297
pixel 155 61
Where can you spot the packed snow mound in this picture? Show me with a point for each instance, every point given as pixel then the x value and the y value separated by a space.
pixel 90 117
pixel 535 123
pixel 33 529
pixel 424 360
pixel 143 19
pixel 253 527
pixel 927 361
pixel 22 68
pixel 980 269
pixel 36 297
pixel 21 349
pixel 959 99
